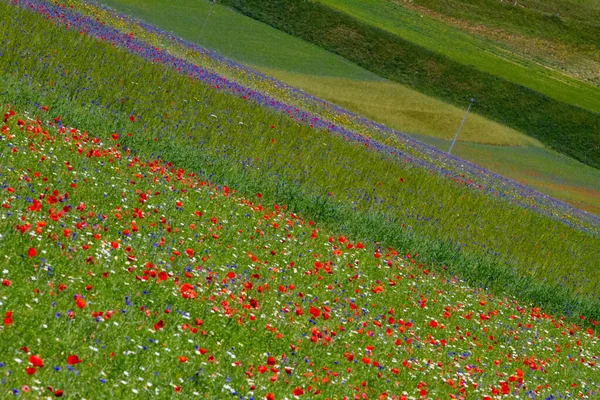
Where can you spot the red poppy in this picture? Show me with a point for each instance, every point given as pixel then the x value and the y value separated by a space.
pixel 183 359
pixel 30 371
pixel 31 252
pixel 36 361
pixel 187 291
pixel 73 359
pixel 58 393
pixel 315 312
pixel 162 276
pixel 298 391
pixel 159 325
pixel 8 318
pixel 80 303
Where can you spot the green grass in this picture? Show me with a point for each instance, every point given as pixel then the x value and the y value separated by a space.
pixel 475 51
pixel 571 21
pixel 134 277
pixel 388 102
pixel 356 191
pixel 240 38
pixel 565 128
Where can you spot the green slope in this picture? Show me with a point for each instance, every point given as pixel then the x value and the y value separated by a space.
pixel 493 146
pixel 240 38
pixel 326 177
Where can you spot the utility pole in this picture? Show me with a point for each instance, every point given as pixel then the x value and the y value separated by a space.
pixel 461 124
pixel 206 20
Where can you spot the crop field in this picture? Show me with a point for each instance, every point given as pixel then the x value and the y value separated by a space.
pixel 240 38
pixel 174 223
pixel 313 69
pixel 560 34
pixel 473 50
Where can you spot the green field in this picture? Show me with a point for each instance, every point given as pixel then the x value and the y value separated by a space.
pixel 469 49
pixel 328 76
pixel 541 169
pixel 559 34
pixel 240 38
pixel 254 301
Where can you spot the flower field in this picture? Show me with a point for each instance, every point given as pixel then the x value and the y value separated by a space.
pixel 207 231
pixel 135 278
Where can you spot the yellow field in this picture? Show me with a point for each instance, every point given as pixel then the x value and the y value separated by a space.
pixel 404 109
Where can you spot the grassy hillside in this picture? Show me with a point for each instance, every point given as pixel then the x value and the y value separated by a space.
pixel 489 145
pixel 332 178
pixel 168 232
pixel 242 39
pixel 568 129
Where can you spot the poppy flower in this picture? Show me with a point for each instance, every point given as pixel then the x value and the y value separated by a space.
pixel 159 325
pixel 36 361
pixel 298 391
pixel 58 393
pixel 187 291
pixel 31 252
pixel 73 359
pixel 182 359
pixel 80 302
pixel 30 371
pixel 315 312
